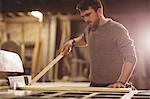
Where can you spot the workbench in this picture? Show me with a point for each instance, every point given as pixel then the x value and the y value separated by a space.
pixel 72 90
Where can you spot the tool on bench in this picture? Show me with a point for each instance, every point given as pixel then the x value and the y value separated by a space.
pixel 11 63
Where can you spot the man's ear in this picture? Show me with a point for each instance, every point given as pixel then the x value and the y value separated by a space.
pixel 99 10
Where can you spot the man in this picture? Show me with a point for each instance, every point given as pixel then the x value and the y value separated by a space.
pixel 112 52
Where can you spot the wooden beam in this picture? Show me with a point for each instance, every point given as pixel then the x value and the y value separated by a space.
pixel 82 89
pixel 49 66
pixel 129 95
pixel 71 86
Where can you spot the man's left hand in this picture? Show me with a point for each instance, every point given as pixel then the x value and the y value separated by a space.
pixel 117 85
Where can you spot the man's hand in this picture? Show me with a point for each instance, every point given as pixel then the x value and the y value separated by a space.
pixel 67 47
pixel 117 85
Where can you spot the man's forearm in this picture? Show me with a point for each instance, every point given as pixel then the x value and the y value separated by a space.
pixel 127 70
pixel 80 41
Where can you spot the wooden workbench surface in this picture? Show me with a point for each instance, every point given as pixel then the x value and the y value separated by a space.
pixel 75 90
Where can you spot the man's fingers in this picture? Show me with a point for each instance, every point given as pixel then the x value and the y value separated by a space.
pixel 110 86
pixel 116 85
pixel 66 50
pixel 70 49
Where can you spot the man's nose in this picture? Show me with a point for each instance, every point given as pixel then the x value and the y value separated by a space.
pixel 86 19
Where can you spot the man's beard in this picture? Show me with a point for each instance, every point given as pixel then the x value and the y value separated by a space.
pixel 94 25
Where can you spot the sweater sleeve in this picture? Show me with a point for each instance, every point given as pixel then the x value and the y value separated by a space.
pixel 126 46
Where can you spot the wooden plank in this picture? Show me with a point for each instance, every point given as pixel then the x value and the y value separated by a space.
pixel 71 86
pixel 90 95
pixel 4 87
pixel 35 57
pixel 60 84
pixel 129 95
pixel 76 88
pixel 50 65
pixel 53 95
pixel 51 45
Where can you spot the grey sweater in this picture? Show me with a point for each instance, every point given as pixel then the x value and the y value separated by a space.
pixel 110 46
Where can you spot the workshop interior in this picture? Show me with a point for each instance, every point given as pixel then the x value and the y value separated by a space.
pixel 32 33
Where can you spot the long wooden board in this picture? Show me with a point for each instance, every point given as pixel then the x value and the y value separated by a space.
pixel 83 87
pixel 49 66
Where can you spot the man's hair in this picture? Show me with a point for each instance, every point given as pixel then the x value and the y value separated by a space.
pixel 85 4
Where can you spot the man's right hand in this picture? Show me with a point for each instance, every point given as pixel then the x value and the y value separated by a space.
pixel 67 47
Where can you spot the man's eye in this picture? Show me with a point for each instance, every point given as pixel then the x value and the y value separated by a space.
pixel 88 14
